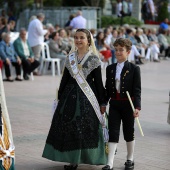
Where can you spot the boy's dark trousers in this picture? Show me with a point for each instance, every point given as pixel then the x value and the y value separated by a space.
pixel 120 110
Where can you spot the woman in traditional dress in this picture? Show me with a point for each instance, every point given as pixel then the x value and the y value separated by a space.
pixel 7 148
pixel 76 134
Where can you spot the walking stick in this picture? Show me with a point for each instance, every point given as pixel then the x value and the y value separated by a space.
pixel 140 128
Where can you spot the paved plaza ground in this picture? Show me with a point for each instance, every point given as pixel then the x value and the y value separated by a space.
pixel 29 105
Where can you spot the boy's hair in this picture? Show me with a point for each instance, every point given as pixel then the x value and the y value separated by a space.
pixel 123 42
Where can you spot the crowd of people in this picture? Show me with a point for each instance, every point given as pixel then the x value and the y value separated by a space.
pixel 25 51
pixel 78 131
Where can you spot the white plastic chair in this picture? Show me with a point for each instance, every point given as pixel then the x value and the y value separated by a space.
pixel 13 36
pixel 47 59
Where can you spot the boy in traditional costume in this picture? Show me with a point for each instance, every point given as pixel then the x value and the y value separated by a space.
pixel 121 77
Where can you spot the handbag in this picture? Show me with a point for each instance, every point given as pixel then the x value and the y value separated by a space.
pixel 54 104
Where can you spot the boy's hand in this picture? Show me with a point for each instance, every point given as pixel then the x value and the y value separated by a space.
pixel 136 113
pixel 103 109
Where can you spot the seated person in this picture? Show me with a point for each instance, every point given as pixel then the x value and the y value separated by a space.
pixel 11 26
pixel 66 40
pixel 164 45
pixel 9 56
pixel 57 48
pixel 3 26
pixel 24 51
pixel 102 47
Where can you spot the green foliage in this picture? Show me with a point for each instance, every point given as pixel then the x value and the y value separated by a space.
pixel 163 11
pixel 29 3
pixel 52 3
pixel 109 20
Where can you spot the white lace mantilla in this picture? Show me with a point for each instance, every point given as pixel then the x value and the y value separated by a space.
pixel 89 65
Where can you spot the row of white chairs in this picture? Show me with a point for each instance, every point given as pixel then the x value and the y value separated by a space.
pixel 44 63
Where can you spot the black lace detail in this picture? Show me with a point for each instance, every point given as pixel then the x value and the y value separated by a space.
pixel 75 124
pixel 90 64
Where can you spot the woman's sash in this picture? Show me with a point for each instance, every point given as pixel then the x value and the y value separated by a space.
pixel 78 75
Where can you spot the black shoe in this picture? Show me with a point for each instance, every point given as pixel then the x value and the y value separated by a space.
pixel 70 167
pixel 138 63
pixel 36 74
pixel 107 167
pixel 9 80
pixel 26 77
pixel 156 61
pixel 129 165
pixel 18 79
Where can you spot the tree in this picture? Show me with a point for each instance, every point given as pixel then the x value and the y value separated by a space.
pixel 163 11
pixel 92 3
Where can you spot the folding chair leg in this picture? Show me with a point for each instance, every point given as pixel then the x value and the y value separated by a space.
pixel 22 73
pixel 32 76
pixel 53 68
pixel 58 68
pixel 45 68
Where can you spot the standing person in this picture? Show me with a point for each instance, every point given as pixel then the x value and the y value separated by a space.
pixel 119 8
pixel 125 8
pixel 36 35
pixel 78 22
pixel 68 22
pixel 3 26
pixel 24 51
pixel 150 10
pixel 130 7
pixel 121 77
pixel 76 134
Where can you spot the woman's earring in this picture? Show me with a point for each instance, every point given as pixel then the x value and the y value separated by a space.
pixel 90 48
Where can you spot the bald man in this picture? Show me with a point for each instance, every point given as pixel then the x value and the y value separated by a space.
pixel 78 22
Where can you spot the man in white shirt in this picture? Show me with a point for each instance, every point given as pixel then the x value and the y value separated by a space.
pixel 36 35
pixel 78 22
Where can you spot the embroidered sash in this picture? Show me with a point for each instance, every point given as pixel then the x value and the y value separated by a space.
pixel 78 75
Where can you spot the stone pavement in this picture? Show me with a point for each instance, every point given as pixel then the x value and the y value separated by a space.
pixel 29 105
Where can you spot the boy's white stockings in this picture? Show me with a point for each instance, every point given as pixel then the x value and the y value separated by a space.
pixel 112 148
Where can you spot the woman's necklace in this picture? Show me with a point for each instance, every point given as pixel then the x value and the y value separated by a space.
pixel 79 60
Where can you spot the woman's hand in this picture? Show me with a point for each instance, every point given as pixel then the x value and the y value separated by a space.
pixel 19 60
pixel 8 61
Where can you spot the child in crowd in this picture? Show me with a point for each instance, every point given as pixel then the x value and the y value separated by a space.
pixel 121 77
